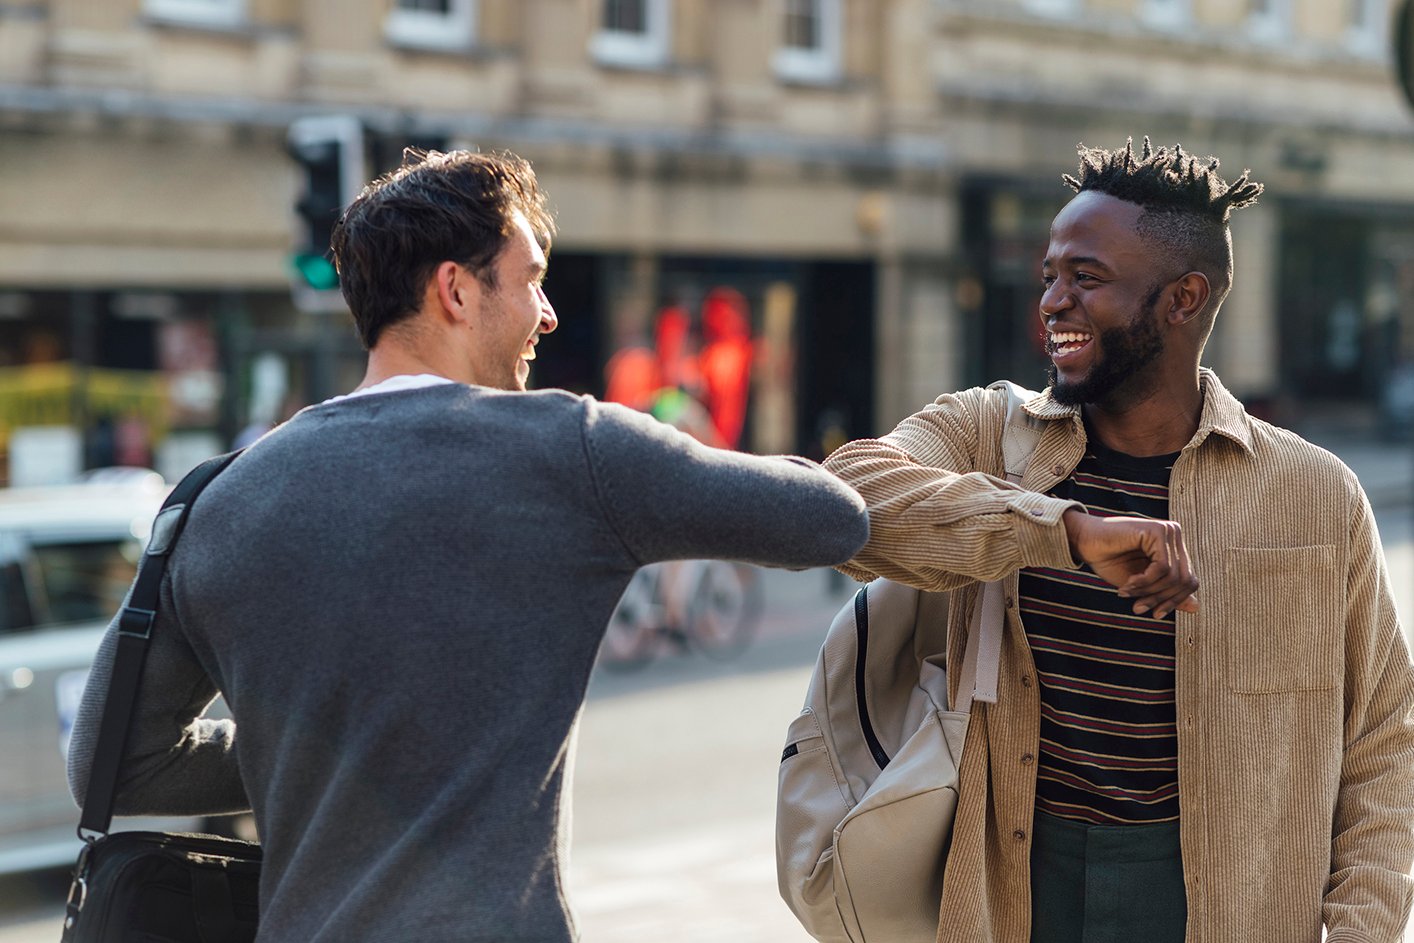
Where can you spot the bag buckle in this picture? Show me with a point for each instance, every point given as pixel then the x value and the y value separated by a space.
pixel 78 889
pixel 136 623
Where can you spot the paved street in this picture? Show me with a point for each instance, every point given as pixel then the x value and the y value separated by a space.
pixel 675 786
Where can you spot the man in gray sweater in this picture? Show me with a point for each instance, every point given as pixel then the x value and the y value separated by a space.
pixel 401 592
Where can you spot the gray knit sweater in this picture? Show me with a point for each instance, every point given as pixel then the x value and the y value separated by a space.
pixel 401 597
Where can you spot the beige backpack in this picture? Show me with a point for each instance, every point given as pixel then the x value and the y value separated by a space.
pixel 867 787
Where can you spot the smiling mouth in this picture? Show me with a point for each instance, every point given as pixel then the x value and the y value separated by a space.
pixel 1065 343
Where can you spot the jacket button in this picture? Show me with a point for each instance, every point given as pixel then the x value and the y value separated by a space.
pixel 1058 471
pixel 1019 835
pixel 1026 681
pixel 1027 759
pixel 1010 603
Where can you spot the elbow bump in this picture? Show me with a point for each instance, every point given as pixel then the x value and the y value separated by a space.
pixel 858 536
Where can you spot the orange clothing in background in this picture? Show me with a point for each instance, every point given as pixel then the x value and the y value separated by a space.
pixel 725 362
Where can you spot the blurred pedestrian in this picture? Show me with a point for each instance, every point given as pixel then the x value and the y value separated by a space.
pixel 727 352
pixel 631 375
pixel 1243 772
pixel 401 591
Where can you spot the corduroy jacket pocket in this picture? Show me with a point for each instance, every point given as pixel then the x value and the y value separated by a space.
pixel 1283 619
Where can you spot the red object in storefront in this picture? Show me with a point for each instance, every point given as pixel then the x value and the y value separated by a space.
pixel 725 362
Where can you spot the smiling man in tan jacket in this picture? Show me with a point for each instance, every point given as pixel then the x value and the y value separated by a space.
pixel 1242 773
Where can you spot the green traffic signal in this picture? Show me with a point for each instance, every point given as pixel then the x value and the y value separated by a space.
pixel 316 271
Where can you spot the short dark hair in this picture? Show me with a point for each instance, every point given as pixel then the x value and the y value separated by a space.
pixel 1186 205
pixel 459 206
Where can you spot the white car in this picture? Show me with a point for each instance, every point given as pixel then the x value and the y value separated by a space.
pixel 67 557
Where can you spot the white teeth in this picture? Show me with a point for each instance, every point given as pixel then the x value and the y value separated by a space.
pixel 1069 337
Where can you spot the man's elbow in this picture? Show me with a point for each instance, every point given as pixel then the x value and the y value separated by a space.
pixel 824 527
pixel 851 532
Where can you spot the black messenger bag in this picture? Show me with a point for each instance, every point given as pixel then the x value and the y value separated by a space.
pixel 154 887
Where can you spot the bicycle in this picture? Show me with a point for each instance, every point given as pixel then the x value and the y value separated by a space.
pixel 711 606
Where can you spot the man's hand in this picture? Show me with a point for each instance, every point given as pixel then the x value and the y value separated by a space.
pixel 1144 559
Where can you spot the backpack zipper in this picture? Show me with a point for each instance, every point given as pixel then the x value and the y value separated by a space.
pixel 861 628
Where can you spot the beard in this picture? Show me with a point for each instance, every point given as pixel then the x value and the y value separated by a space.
pixel 1126 351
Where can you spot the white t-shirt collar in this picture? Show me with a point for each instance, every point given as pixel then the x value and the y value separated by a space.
pixel 397 384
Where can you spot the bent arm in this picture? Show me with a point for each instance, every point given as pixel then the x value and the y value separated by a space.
pixel 175 761
pixel 1372 843
pixel 670 497
pixel 936 522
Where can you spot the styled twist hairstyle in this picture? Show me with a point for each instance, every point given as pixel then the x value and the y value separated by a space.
pixel 1159 180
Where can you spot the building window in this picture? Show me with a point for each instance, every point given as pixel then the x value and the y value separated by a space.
pixel 810 41
pixel 1269 21
pixel 1366 22
pixel 432 24
pixel 626 16
pixel 1166 14
pixel 632 33
pixel 220 13
pixel 1051 7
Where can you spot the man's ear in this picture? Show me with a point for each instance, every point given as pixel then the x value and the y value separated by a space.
pixel 1188 297
pixel 457 293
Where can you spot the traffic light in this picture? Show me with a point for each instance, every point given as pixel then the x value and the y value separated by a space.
pixel 1404 48
pixel 330 152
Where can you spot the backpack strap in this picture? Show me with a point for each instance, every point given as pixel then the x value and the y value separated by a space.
pixel 135 623
pixel 1022 432
pixel 981 663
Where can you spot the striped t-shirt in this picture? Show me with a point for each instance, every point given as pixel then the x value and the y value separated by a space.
pixel 1109 740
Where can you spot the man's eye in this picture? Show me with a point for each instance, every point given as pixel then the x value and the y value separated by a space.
pixel 1047 281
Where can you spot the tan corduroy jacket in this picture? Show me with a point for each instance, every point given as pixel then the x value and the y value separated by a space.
pixel 1294 685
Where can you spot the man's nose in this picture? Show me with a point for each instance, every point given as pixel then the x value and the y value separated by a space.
pixel 1054 300
pixel 548 319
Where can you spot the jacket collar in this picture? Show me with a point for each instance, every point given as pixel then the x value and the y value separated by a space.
pixel 1222 412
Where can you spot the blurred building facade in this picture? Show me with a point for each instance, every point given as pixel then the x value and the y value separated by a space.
pixel 866 183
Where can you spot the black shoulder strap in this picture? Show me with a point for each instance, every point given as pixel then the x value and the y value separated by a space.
pixel 134 632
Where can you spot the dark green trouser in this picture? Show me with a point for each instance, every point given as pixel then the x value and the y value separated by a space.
pixel 1106 883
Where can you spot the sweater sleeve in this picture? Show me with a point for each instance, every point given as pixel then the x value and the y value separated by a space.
pixel 176 761
pixel 669 497
pixel 936 521
pixel 1372 844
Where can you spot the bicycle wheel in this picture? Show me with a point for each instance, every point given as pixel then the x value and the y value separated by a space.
pixel 631 638
pixel 725 610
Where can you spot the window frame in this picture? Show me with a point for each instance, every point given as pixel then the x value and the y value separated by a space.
pixel 1167 14
pixel 1370 38
pixel 1051 7
pixel 220 14
pixel 635 50
pixel 424 29
pixel 822 64
pixel 1273 25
